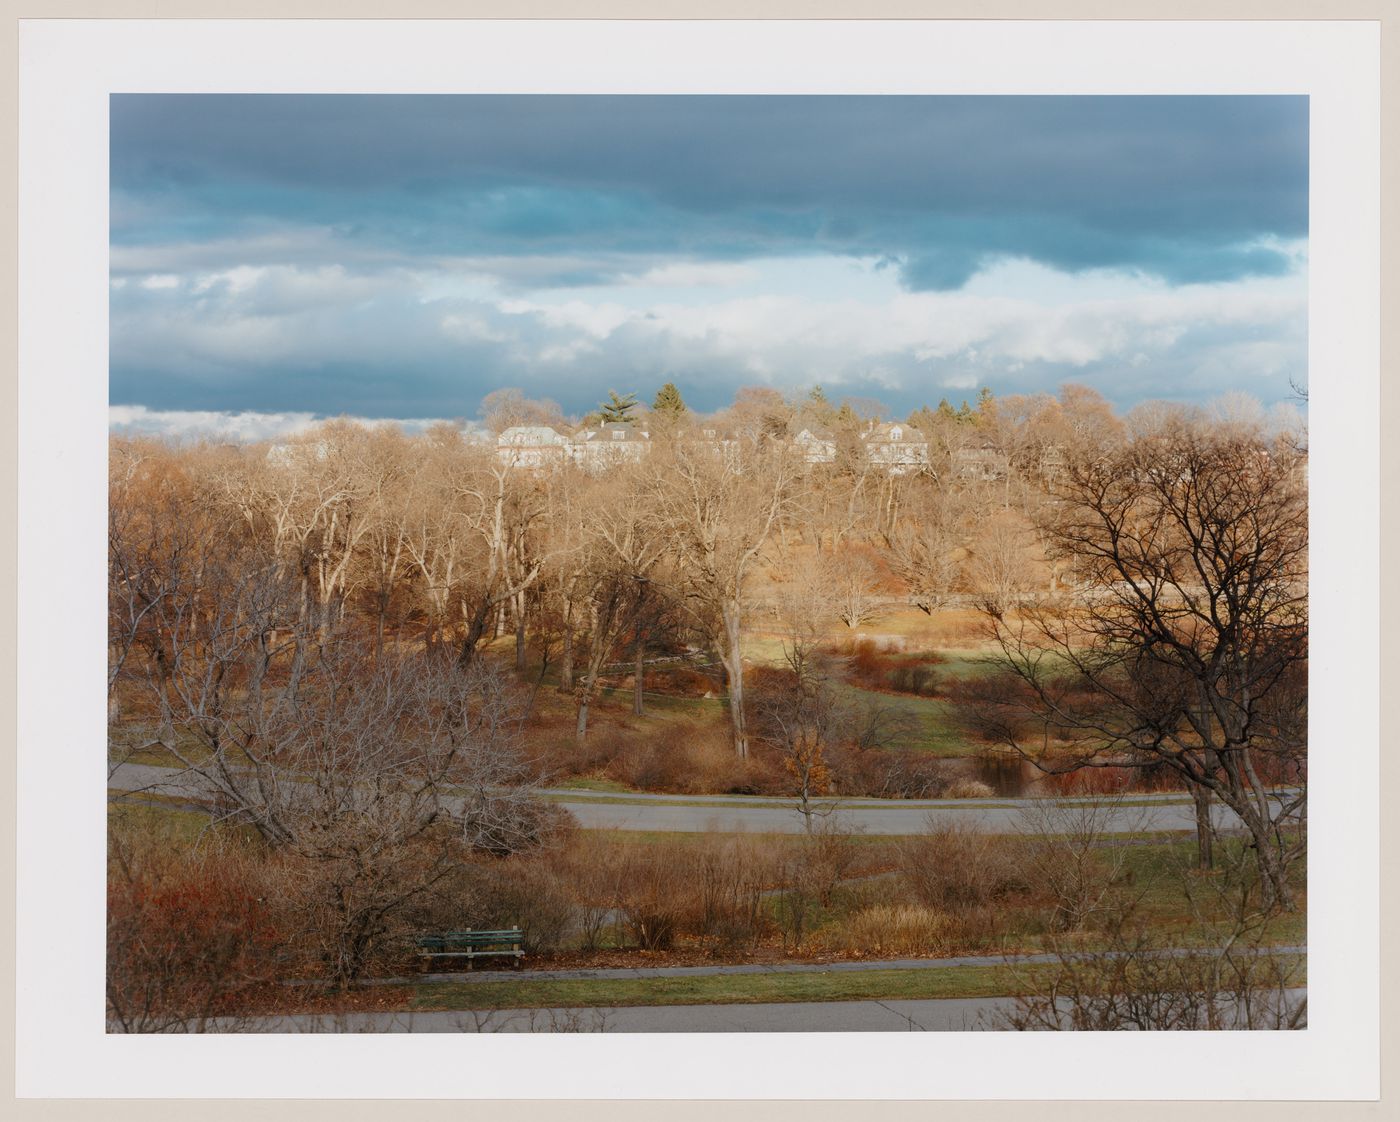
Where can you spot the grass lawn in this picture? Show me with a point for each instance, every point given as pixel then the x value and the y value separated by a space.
pixel 863 985
pixel 155 755
pixel 179 825
pixel 934 733
pixel 619 795
pixel 743 989
pixel 593 783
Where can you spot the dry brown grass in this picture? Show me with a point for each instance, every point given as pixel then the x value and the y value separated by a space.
pixel 969 789
pixel 891 930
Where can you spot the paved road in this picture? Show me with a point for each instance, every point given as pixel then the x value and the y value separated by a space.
pixel 730 814
pixel 815 1016
pixel 935 1015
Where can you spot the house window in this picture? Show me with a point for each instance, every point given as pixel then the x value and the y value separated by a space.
pixel 619 434
pixel 896 434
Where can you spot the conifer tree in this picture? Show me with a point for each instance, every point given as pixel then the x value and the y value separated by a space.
pixel 617 410
pixel 818 407
pixel 668 400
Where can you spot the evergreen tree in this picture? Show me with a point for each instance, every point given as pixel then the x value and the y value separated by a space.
pixel 617 410
pixel 945 410
pixel 965 414
pixel 668 401
pixel 818 407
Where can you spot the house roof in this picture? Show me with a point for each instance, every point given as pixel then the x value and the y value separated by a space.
pixel 890 432
pixel 610 431
pixel 532 435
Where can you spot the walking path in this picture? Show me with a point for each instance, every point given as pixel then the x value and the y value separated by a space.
pixel 721 969
pixel 928 1015
pixel 601 810
pixel 959 1014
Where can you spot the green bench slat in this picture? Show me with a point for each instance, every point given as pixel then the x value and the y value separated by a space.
pixel 471 942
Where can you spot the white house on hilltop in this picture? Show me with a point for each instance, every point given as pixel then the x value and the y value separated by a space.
pixel 817 445
pixel 897 447
pixel 610 442
pixel 533 446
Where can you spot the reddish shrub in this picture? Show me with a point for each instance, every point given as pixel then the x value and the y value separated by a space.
pixel 189 935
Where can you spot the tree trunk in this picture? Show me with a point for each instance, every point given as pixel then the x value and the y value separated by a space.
pixel 1273 872
pixel 585 699
pixel 566 659
pixel 383 611
pixel 476 628
pixel 639 678
pixel 1272 875
pixel 1205 833
pixel 581 728
pixel 732 659
pixel 520 630
pixel 539 681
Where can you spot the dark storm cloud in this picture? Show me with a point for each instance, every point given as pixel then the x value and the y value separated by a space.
pixel 1175 186
pixel 399 256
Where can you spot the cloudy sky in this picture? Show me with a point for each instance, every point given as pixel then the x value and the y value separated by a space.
pixel 280 257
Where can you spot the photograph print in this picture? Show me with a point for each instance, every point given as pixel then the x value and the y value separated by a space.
pixel 704 563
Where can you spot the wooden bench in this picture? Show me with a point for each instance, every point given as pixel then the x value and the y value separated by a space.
pixel 472 945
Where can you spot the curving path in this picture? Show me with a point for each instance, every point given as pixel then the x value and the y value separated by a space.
pixel 597 810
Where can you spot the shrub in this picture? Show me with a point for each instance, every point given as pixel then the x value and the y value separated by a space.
pixel 887 774
pixel 592 869
pixel 189 933
pixel 969 789
pixel 917 678
pixel 533 893
pixel 880 667
pixel 730 876
pixel 530 895
pixel 655 895
pixel 865 661
pixel 688 759
pixel 955 869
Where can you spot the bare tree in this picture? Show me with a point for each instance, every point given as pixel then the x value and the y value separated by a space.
pixel 137 545
pixel 1227 976
pixel 305 501
pixel 1186 645
pixel 502 508
pixel 1064 843
pixel 922 548
pixel 504 408
pixel 855 586
pixel 633 538
pixel 612 599
pixel 801 720
pixel 719 507
pixel 384 557
pixel 375 773
pixel 1001 570
pixel 804 604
